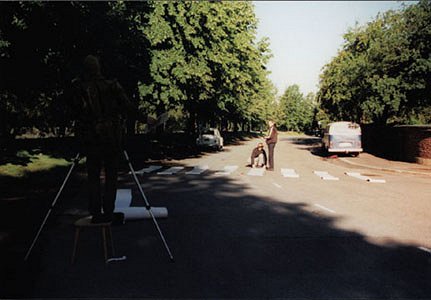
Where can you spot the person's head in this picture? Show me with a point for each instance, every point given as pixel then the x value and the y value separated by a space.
pixel 260 146
pixel 91 66
pixel 271 123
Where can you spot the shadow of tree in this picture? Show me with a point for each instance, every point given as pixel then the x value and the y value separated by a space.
pixel 311 144
pixel 227 243
pixel 314 146
pixel 169 146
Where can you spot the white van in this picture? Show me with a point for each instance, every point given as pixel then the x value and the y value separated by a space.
pixel 342 137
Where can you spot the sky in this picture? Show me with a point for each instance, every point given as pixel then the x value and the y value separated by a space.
pixel 306 35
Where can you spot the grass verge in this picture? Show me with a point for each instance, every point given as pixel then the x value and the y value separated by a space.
pixel 34 163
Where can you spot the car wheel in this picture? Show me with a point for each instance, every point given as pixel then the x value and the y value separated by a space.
pixel 323 150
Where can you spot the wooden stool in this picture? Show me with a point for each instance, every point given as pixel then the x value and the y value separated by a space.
pixel 106 235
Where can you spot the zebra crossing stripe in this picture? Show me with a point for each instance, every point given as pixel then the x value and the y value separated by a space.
pixel 148 169
pixel 356 175
pixel 325 175
pixel 291 173
pixel 170 171
pixel 365 178
pixel 376 180
pixel 198 170
pixel 227 170
pixel 256 172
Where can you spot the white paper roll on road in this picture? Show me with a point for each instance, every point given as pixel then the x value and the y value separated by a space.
pixel 124 198
pixel 139 213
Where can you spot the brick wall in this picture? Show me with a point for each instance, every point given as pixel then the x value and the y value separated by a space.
pixel 404 143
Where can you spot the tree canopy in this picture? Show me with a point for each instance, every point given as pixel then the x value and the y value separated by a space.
pixel 42 46
pixel 198 58
pixel 382 73
pixel 205 59
pixel 295 112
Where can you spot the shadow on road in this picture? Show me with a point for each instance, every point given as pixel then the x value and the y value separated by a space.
pixel 314 146
pixel 311 144
pixel 227 243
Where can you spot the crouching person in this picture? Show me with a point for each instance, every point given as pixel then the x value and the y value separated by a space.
pixel 258 157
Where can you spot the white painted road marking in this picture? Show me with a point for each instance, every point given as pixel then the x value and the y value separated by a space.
pixel 375 180
pixel 227 170
pixel 147 169
pixel 291 173
pixel 425 249
pixel 198 170
pixel 171 171
pixel 277 185
pixel 366 178
pixel 356 175
pixel 325 175
pixel 324 208
pixel 256 172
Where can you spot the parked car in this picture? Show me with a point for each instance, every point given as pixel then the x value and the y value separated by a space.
pixel 342 137
pixel 211 138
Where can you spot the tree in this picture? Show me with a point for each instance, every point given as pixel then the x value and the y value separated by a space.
pixel 382 74
pixel 295 112
pixel 205 60
pixel 42 48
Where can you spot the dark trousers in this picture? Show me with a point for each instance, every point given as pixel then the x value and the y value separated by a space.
pixel 271 156
pixel 96 159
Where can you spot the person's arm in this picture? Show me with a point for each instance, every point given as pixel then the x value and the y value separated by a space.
pixel 126 106
pixel 270 134
pixel 254 153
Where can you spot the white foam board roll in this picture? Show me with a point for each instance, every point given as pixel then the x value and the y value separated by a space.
pixel 139 213
pixel 124 198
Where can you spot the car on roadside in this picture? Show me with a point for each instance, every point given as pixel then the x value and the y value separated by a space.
pixel 210 138
pixel 342 137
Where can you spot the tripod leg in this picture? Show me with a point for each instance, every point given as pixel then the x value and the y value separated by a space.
pixel 147 205
pixel 75 161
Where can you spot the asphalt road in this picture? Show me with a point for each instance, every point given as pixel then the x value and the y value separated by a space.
pixel 241 236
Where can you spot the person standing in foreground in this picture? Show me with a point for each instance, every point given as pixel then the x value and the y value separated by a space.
pixel 100 109
pixel 271 140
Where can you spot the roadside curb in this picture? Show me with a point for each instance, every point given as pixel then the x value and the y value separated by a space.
pixel 384 169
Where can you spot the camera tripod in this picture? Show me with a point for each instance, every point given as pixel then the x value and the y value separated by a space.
pixel 147 206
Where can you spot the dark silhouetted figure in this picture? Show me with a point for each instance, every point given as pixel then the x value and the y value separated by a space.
pixel 101 107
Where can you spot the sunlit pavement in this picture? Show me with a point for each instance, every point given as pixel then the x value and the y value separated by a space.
pixel 241 236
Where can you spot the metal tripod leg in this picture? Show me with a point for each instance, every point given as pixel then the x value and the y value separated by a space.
pixel 75 161
pixel 147 205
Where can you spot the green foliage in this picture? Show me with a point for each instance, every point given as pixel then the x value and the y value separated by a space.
pixel 196 57
pixel 296 112
pixel 37 163
pixel 42 46
pixel 382 74
pixel 205 60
